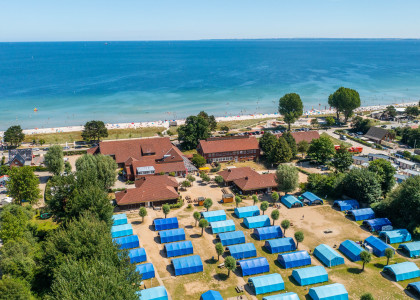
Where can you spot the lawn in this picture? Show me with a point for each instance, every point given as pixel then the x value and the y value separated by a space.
pixel 336 141
pixel 252 164
pixel 238 124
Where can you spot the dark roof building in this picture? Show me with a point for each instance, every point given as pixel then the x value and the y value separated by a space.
pixel 378 135
pixel 20 157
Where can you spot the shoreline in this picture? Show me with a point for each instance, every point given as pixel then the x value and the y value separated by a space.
pixel 165 123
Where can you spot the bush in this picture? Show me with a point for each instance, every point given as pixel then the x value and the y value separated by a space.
pixel 74 152
pixel 172 174
pixel 39 168
pixel 325 185
pixel 129 182
pixel 178 203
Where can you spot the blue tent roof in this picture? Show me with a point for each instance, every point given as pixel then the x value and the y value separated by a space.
pixel 137 255
pixel 232 238
pixel 154 293
pixel 127 242
pixel 164 224
pixel 179 248
pixel 328 255
pixel 377 245
pixel 146 270
pixel 119 219
pixel 351 249
pixel 215 215
pixel 377 224
pixel 121 230
pixel 247 211
pixel 254 266
pixel 294 259
pixel 311 198
pixel 346 204
pixel 187 265
pixel 242 251
pixel 172 235
pixel 310 275
pixel 290 201
pixel 211 295
pixel 285 296
pixel 403 271
pixel 222 226
pixel 362 214
pixel 412 249
pixel 331 291
pixel 269 232
pixel 395 236
pixel 415 286
pixel 280 245
pixel 257 221
pixel 267 283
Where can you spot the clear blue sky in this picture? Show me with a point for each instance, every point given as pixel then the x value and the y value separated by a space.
pixel 72 20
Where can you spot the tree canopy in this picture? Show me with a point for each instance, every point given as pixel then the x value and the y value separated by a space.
pixel 344 100
pixel 385 174
pixel 342 159
pixel 291 107
pixel 303 147
pixel 94 130
pixel 291 142
pixel 23 185
pixel 54 160
pixel 14 135
pixel 287 178
pixel 362 185
pixel 210 119
pixel 196 128
pixel 391 111
pixel 101 169
pixel 360 124
pixel 280 153
pixel 198 160
pixel 322 149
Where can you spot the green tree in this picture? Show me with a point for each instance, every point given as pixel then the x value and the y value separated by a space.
pixel 287 178
pixel 218 179
pixel 14 135
pixel 285 224
pixel 23 185
pixel 385 173
pixel 142 213
pixel 13 222
pixel 196 128
pixel 238 200
pixel 166 209
pixel 344 100
pixel 203 223
pixel 291 142
pixel 268 142
pixel 59 191
pixel 98 170
pixel 94 130
pixel 41 142
pixel 367 296
pixel 190 178
pixel 412 111
pixel 275 214
pixel 224 128
pixel 365 257
pixel 254 199
pixel 197 217
pixel 207 203
pixel 264 206
pixel 329 121
pixel 281 153
pixel 391 111
pixel 198 161
pixel 360 124
pixel 299 237
pixel 322 149
pixel 14 289
pixel 219 250
pixel 303 147
pixel 54 160
pixel 67 167
pixel 186 183
pixel 291 107
pixel 230 264
pixel 362 185
pixel 342 159
pixel 389 253
pixel 275 196
pixel 328 185
pixel 210 119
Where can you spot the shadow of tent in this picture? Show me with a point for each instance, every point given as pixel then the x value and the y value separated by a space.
pixel 163 253
pixel 170 269
pixel 249 290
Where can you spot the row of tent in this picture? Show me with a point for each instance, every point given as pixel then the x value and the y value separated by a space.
pixel 307 198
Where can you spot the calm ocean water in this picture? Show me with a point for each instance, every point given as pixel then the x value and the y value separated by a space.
pixel 70 83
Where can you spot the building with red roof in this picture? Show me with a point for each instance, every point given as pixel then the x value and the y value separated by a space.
pixel 247 180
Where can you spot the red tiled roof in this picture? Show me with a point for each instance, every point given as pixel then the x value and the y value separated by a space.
pixel 235 173
pixel 227 144
pixel 256 182
pixel 304 136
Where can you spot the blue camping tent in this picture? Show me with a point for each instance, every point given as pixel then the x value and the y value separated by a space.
pixel 343 205
pixel 266 283
pixel 351 250
pixel 127 242
pixel 403 271
pixel 214 216
pixel 284 296
pixel 414 287
pixel 154 293
pixel 222 226
pixel 377 224
pixel 146 271
pixel 269 232
pixel 121 230
pixel 247 211
pixel 254 266
pixel 187 265
pixel 310 198
pixel 242 251
pixel 232 238
pixel 290 201
pixel 411 249
pixel 378 246
pixel 137 255
pixel 395 236
pixel 335 291
pixel 328 256
pixel 310 275
pixel 280 245
pixel 173 235
pixel 211 295
pixel 294 259
pixel 179 248
pixel 119 219
pixel 362 214
pixel 165 224
pixel 257 221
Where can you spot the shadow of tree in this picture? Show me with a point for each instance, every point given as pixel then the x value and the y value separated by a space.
pixel 354 270
pixel 136 222
pixel 220 277
pixel 379 265
pixel 211 261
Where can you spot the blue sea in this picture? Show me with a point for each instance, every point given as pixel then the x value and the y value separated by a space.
pixel 73 82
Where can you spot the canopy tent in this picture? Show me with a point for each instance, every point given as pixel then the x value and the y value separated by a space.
pixel 335 291
pixel 269 232
pixel 403 271
pixel 119 219
pixel 294 259
pixel 154 293
pixel 137 255
pixel 247 211
pixel 146 271
pixel 257 221
pixel 179 248
pixel 127 242
pixel 378 246
pixel 411 249
pixel 165 224
pixel 254 266
pixel 211 295
pixel 222 226
pixel 310 275
pixel 121 230
pixel 377 224
pixel 215 215
pixel 414 287
pixel 280 245
pixel 266 283
pixel 172 235
pixel 242 251
pixel 343 205
pixel 285 296
pixel 232 238
pixel 187 265
pixel 291 201
pixel 362 214
pixel 395 236
pixel 310 198
pixel 351 250
pixel 328 256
